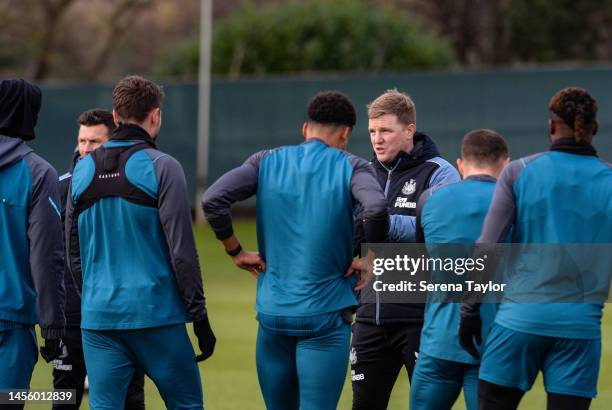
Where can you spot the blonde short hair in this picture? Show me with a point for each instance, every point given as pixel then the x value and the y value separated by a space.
pixel 393 102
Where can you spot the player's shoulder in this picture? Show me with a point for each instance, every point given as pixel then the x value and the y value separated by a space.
pixel 255 159
pixel 528 160
pixel 160 161
pixel 35 160
pixel 439 162
pixel 443 192
pixel 156 155
pixel 39 167
pixel 357 162
pixel 516 167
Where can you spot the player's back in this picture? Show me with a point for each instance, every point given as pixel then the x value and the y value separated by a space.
pixel 21 172
pixel 561 198
pixel 304 230
pixel 128 281
pixel 447 229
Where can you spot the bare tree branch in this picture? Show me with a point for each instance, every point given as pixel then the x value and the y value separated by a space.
pixel 43 49
pixel 118 23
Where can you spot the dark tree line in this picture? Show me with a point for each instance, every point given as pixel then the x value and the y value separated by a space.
pixel 98 40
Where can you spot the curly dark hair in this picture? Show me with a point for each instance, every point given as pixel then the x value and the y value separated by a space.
pixel 97 116
pixel 577 108
pixel 332 108
pixel 134 97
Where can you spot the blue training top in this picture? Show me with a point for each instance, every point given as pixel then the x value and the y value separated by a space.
pixel 31 246
pixel 559 197
pixel 138 264
pixel 460 223
pixel 305 197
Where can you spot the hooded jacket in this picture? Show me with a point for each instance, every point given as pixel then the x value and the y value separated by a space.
pixel 31 246
pixel 403 181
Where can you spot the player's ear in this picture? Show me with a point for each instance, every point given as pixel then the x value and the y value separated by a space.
pixel 305 129
pixel 411 129
pixel 344 137
pixel 551 127
pixel 460 166
pixel 116 118
pixel 595 127
pixel 155 116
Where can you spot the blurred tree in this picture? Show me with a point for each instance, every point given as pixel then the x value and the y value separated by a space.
pixel 502 32
pixel 51 13
pixel 100 40
pixel 341 35
pixel 547 31
pixel 89 39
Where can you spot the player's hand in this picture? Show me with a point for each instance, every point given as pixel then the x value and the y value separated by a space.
pixel 53 349
pixel 361 269
pixel 470 326
pixel 206 338
pixel 250 261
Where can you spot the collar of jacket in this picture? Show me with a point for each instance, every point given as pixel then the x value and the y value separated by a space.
pixel 313 139
pixel 76 156
pixel 571 146
pixel 424 149
pixel 131 132
pixel 482 178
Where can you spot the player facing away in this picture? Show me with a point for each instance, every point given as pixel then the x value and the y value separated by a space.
pixel 556 197
pixel 305 195
pixel 31 272
pixel 133 258
pixel 443 368
pixel 407 162
pixel 95 127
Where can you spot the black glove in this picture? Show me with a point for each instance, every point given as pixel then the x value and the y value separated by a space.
pixel 470 329
pixel 53 349
pixel 206 338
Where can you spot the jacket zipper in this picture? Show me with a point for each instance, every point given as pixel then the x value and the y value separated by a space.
pixel 377 293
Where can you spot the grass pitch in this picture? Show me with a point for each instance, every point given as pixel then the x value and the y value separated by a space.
pixel 230 378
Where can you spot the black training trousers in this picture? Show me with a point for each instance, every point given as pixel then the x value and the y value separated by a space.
pixel 378 352
pixel 495 397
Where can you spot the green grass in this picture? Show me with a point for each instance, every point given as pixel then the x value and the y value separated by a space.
pixel 229 377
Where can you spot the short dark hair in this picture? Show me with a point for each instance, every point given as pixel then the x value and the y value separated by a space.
pixel 134 97
pixel 577 108
pixel 332 108
pixel 97 116
pixel 484 147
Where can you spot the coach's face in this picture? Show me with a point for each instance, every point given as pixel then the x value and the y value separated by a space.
pixel 91 137
pixel 389 136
